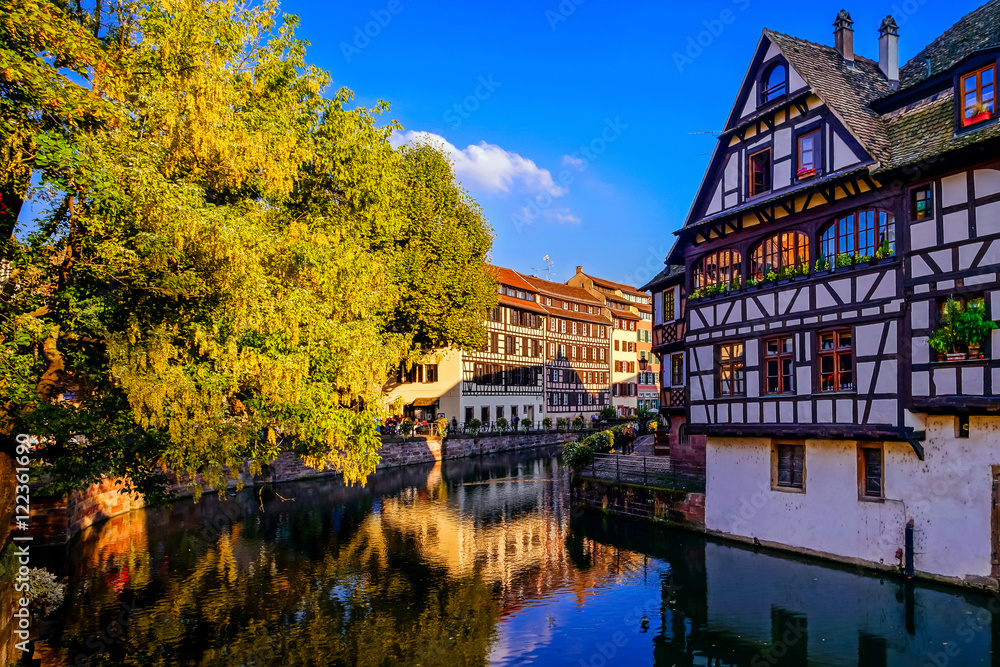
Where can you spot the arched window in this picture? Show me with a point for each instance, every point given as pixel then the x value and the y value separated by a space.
pixel 717 268
pixel 859 233
pixel 789 249
pixel 774 83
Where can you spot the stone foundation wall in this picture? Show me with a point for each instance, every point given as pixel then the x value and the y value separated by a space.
pixel 677 508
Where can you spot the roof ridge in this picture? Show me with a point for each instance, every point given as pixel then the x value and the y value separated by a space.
pixel 817 45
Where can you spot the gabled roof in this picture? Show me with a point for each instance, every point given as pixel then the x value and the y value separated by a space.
pixel 519 303
pixel 847 91
pixel 976 31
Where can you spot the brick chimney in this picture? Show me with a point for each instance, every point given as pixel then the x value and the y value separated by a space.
pixel 888 49
pixel 844 36
pixel 579 269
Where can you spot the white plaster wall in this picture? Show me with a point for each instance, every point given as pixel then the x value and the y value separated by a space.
pixel 948 495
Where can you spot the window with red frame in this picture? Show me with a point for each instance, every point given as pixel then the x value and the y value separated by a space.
pixel 717 268
pixel 789 249
pixel 836 360
pixel 978 95
pixel 760 172
pixel 778 365
pixel 729 370
pixel 859 233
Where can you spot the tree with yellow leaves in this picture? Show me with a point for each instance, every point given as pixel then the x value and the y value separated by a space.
pixel 225 268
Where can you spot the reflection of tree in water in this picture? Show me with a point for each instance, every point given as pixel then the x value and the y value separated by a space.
pixel 368 601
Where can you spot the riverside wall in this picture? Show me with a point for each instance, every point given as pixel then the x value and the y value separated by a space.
pixel 665 506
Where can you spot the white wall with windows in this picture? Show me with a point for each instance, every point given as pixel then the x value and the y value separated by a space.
pixel 949 496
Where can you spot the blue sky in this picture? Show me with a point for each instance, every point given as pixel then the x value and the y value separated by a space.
pixel 535 82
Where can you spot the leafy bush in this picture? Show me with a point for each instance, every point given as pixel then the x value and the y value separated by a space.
pixel 578 455
pixel 547 423
pixel 844 260
pixel 406 428
pixel 474 426
pixel 562 423
pixel 578 423
pixel 442 426
pixel 44 590
pixel 502 424
pixel 608 413
pixel 526 423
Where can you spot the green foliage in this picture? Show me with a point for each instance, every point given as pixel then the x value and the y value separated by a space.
pixel 770 277
pixel 884 250
pixel 562 423
pixel 608 413
pixel 526 423
pixel 578 455
pixel 474 426
pixel 406 427
pixel 973 327
pixel 547 423
pixel 844 260
pixel 442 427
pixel 578 422
pixel 822 264
pixel 230 262
pixel 502 424
pixel 946 339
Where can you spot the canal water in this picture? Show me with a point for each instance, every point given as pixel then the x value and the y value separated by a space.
pixel 476 561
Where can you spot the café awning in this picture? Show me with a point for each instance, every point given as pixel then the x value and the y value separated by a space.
pixel 425 402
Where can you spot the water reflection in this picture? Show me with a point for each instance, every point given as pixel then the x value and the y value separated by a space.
pixel 473 562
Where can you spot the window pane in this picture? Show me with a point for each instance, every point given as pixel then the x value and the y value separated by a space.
pixel 826 341
pixel 845 339
pixel 873 472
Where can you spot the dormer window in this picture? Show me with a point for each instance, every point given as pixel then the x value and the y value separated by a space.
pixel 774 83
pixel 978 95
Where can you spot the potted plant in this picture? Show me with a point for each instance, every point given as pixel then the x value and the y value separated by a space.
pixel 946 339
pixel 752 282
pixel 502 425
pixel 770 277
pixel 884 251
pixel 973 328
pixel 526 424
pixel 474 427
pixel 442 427
pixel 562 424
pixel 866 259
pixel 406 428
pixel 735 285
pixel 547 423
pixel 844 261
pixel 578 423
pixel 977 114
pixel 822 264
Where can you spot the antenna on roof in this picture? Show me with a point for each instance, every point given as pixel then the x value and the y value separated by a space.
pixel 548 269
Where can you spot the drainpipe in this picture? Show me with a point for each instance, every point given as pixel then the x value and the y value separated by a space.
pixel 908 567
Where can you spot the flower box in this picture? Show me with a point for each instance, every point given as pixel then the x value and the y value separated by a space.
pixel 978 118
pixel 955 356
pixel 805 173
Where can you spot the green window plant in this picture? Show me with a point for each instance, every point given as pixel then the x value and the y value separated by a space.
pixel 962 329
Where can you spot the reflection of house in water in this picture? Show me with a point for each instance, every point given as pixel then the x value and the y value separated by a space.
pixel 727 605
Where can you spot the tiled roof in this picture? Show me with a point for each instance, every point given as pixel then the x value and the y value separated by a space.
pixel 927 129
pixel 560 290
pixel 509 277
pixel 847 91
pixel 977 30
pixel 519 303
pixel 610 284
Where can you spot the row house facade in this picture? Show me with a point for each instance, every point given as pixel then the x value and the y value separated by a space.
pixel 634 369
pixel 840 273
pixel 577 356
pixel 548 354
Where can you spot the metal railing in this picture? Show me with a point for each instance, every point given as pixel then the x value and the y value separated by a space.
pixel 652 471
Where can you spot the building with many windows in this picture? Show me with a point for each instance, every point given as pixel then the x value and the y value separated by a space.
pixel 841 274
pixel 633 367
pixel 577 355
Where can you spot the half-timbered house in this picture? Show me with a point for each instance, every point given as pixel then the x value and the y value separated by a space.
pixel 846 200
pixel 577 350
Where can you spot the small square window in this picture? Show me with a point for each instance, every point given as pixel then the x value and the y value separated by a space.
pixel 789 466
pixel 922 203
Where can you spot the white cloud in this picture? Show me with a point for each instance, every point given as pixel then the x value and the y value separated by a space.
pixel 489 168
pixel 566 216
pixel 576 162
